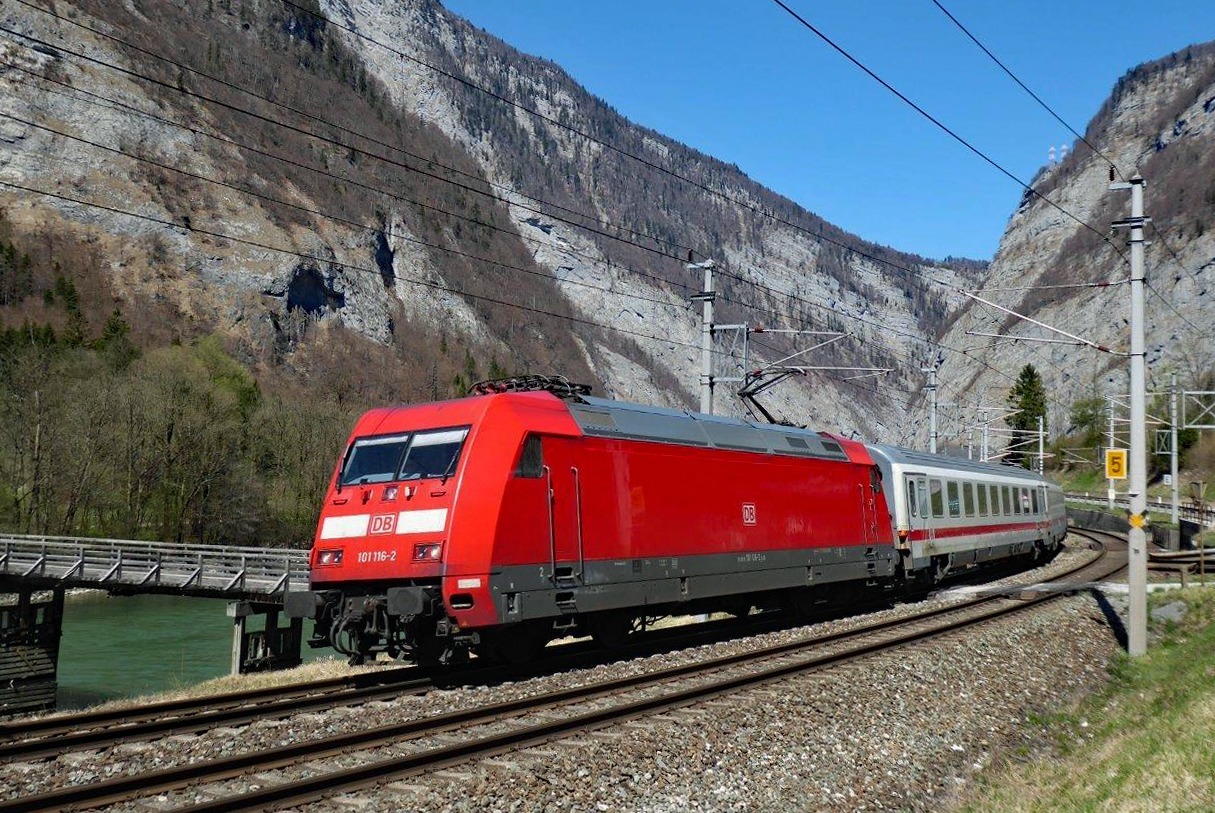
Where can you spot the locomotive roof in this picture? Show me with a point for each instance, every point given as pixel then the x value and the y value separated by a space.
pixel 913 457
pixel 606 418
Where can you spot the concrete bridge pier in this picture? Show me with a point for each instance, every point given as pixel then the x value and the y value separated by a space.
pixel 269 648
pixel 30 629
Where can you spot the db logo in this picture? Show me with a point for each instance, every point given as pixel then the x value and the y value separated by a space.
pixel 748 513
pixel 383 523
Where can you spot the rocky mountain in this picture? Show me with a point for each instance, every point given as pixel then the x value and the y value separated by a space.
pixel 1159 122
pixel 377 197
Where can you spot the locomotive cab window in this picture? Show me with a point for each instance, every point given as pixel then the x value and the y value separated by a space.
pixel 433 454
pixel 374 459
pixel 531 458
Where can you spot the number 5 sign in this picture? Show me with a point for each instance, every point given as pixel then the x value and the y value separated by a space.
pixel 1115 464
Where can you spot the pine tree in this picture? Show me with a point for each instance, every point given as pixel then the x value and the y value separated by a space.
pixel 1028 396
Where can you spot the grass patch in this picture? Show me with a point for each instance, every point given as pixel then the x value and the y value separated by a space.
pixel 1143 743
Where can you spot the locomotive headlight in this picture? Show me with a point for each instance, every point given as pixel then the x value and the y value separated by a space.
pixel 390 493
pixel 427 552
pixel 330 557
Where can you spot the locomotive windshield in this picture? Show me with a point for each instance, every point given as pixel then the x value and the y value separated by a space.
pixel 433 454
pixel 413 456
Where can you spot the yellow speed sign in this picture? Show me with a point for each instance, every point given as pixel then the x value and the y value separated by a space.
pixel 1115 464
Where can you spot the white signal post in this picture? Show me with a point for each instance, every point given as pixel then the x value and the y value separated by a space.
pixel 1173 451
pixel 706 335
pixel 1137 564
pixel 932 411
pixel 1041 445
pixel 1110 445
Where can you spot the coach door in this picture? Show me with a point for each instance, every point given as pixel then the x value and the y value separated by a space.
pixel 918 521
pixel 869 496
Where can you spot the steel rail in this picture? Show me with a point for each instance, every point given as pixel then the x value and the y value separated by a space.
pixel 204 719
pixel 58 734
pixel 54 725
pixel 126 788
pixel 321 786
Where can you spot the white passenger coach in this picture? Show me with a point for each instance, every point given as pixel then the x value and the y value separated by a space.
pixel 951 513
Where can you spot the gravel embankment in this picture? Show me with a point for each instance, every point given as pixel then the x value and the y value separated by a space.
pixel 897 732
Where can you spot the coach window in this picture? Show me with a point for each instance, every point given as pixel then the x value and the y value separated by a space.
pixel 938 499
pixel 955 500
pixel 982 499
pixel 531 460
pixel 1008 501
pixel 911 499
pixel 968 496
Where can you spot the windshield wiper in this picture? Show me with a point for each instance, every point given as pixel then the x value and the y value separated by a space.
pixel 450 465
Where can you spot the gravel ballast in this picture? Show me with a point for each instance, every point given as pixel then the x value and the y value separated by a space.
pixel 903 731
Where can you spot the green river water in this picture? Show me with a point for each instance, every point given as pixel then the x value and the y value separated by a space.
pixel 125 646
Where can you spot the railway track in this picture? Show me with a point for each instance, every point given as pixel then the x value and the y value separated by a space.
pixel 314 769
pixel 51 736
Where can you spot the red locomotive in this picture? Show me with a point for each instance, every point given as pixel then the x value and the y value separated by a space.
pixel 499 521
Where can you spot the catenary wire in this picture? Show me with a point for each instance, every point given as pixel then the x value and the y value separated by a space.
pixel 333 217
pixel 942 126
pixel 341 128
pixel 349 266
pixel 790 297
pixel 1024 87
pixel 326 139
pixel 325 173
pixel 911 273
pixel 760 286
pixel 774 291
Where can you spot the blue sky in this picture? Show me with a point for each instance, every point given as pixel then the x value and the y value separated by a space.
pixel 743 81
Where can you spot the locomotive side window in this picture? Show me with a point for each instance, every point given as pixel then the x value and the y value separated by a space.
pixel 968 494
pixel 374 460
pixel 938 498
pixel 982 499
pixel 433 454
pixel 531 460
pixel 955 500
